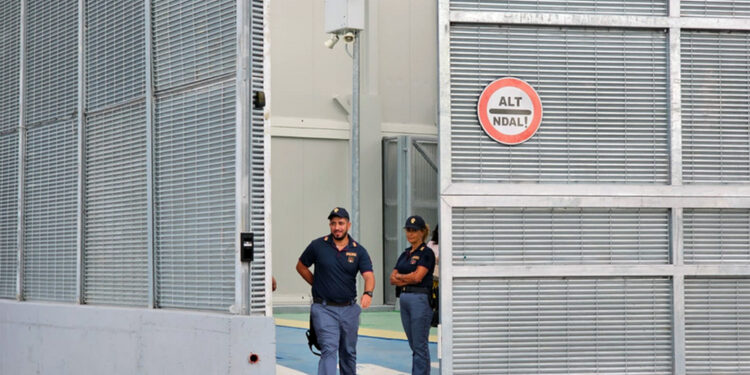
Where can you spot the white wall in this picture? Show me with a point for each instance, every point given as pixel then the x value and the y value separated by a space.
pixel 310 131
pixel 46 338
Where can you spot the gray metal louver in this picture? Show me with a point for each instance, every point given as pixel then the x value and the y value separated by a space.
pixel 716 235
pixel 624 7
pixel 604 96
pixel 8 214
pixel 115 235
pixel 715 8
pixel 193 41
pixel 562 326
pixel 51 211
pixel 258 300
pixel 717 326
pixel 520 236
pixel 715 112
pixel 195 198
pixel 115 52
pixel 9 61
pixel 52 60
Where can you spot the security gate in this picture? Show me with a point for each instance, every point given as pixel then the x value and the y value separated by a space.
pixel 410 187
pixel 617 239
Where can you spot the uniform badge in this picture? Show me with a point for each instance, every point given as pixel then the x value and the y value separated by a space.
pixel 413 220
pixel 350 257
pixel 414 259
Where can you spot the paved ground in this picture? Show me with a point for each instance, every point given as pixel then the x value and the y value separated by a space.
pixel 381 348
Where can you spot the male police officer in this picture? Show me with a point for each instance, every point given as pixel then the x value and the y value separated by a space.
pixel 334 312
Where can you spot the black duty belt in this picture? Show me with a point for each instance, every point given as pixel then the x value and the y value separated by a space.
pixel 332 303
pixel 414 289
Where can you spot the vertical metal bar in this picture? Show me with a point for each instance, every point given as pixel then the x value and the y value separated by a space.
pixel 678 292
pixel 355 137
pixel 81 150
pixel 675 94
pixel 21 151
pixel 675 132
pixel 242 155
pixel 267 157
pixel 150 215
pixel 446 288
pixel 408 172
pixel 445 177
pixel 401 194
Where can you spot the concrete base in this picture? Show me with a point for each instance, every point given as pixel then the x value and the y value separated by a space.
pixel 49 338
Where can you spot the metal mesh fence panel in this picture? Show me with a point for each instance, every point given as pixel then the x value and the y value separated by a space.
pixel 51 212
pixel 115 237
pixel 10 11
pixel 115 52
pixel 195 198
pixel 52 60
pixel 8 214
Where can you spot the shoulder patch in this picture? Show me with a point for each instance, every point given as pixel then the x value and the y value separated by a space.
pixel 325 238
pixel 354 244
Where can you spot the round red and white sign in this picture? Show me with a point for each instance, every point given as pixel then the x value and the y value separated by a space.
pixel 509 110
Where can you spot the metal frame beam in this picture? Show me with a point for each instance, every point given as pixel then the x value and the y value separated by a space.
pixel 150 110
pixel 21 151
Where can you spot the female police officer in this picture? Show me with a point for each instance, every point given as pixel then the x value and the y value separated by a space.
pixel 412 277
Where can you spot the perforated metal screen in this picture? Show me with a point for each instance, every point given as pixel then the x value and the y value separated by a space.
pixel 604 95
pixel 717 235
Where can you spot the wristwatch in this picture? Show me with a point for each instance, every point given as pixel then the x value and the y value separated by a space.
pixel 369 293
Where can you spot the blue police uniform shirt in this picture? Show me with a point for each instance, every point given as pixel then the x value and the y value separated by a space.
pixel 335 270
pixel 410 260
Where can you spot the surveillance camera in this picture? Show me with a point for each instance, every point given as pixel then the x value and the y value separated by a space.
pixel 349 37
pixel 331 41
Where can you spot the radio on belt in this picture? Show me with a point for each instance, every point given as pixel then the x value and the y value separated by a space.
pixel 246 247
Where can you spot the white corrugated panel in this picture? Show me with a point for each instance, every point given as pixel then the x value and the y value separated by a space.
pixel 195 198
pixel 52 60
pixel 515 236
pixel 257 165
pixel 115 236
pixel 715 8
pixel 10 11
pixel 604 97
pixel 115 52
pixel 715 111
pixel 717 326
pixel 8 214
pixel 51 211
pixel 193 41
pixel 716 235
pixel 624 7
pixel 562 326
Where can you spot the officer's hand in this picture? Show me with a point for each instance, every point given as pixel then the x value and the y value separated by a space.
pixel 366 300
